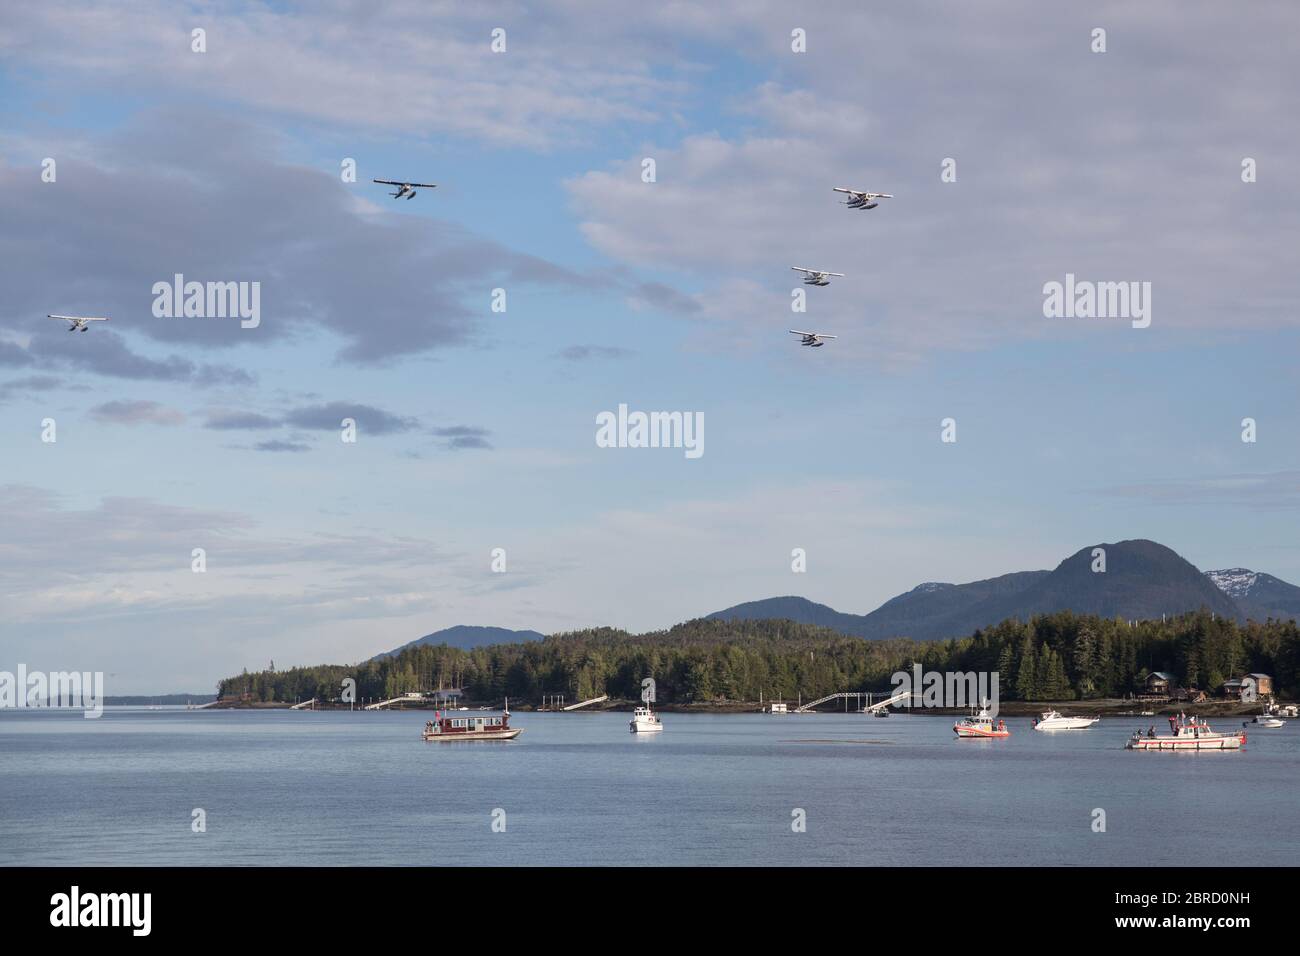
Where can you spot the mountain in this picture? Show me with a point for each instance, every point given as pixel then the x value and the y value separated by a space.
pixel 467 637
pixel 797 609
pixel 1260 595
pixel 931 611
pixel 1142 579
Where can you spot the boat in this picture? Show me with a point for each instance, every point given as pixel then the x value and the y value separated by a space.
pixel 882 712
pixel 1052 720
pixel 493 727
pixel 645 721
pixel 1269 718
pixel 981 723
pixel 1189 733
pixel 778 709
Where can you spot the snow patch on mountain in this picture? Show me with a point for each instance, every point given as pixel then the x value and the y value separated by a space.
pixel 930 586
pixel 1234 582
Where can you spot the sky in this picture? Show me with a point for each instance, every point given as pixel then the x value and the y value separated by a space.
pixel 1017 153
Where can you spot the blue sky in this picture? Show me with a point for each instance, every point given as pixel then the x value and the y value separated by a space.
pixel 477 428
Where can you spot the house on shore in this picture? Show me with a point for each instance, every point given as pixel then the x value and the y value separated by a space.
pixel 1263 685
pixel 1158 684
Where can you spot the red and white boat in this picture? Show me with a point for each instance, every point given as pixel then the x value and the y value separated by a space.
pixel 462 727
pixel 1189 733
pixel 981 724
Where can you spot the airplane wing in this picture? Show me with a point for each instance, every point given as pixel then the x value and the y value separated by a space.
pixel 840 274
pixel 797 332
pixel 424 185
pixel 801 269
pixel 388 182
pixel 79 318
pixel 827 336
pixel 845 189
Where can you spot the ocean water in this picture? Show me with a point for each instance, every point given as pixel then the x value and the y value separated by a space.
pixel 335 788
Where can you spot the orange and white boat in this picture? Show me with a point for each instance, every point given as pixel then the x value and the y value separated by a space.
pixel 1189 733
pixel 981 724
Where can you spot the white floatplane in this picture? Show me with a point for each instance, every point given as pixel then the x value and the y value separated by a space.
pixel 860 198
pixel 79 321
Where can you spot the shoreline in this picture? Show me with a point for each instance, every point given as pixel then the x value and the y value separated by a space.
pixel 1017 708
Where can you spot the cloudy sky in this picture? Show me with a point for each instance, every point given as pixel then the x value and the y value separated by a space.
pixel 476 428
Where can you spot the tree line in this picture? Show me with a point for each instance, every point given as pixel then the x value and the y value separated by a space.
pixel 1061 656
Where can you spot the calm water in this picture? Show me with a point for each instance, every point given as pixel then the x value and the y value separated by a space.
pixel 284 787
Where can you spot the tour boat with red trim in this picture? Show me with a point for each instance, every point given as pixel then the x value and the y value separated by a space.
pixel 981 724
pixel 488 727
pixel 1189 733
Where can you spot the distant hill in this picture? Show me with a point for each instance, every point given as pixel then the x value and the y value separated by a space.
pixel 1260 595
pixel 467 637
pixel 800 610
pixel 1142 579
pixel 931 611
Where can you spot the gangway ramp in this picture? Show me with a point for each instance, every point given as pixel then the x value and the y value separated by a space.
pixel 584 703
pixel 400 699
pixel 897 698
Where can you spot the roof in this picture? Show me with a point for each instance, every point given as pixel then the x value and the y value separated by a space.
pixel 1260 675
pixel 1161 674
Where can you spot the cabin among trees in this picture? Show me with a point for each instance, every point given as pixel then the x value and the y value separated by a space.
pixel 1158 684
pixel 1234 687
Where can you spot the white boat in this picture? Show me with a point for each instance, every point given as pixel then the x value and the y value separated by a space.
pixel 779 709
pixel 1189 733
pixel 645 721
pixel 1052 720
pixel 1270 718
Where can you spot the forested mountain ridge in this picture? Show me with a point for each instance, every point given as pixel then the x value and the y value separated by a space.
pixel 1057 656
